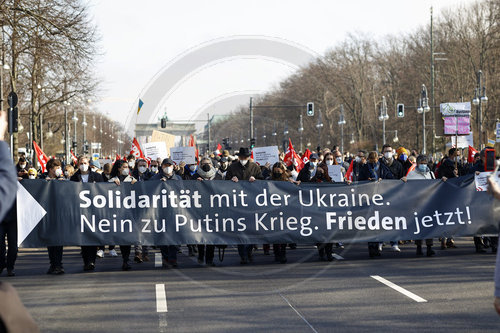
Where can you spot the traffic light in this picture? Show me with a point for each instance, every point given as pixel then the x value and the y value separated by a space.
pixel 400 110
pixel 225 142
pixel 74 145
pixel 310 109
pixel 252 142
pixel 13 120
pixel 86 147
pixel 163 122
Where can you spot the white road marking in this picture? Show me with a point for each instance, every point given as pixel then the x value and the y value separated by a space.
pixel 298 313
pixel 162 323
pixel 403 291
pixel 158 260
pixel 338 257
pixel 161 298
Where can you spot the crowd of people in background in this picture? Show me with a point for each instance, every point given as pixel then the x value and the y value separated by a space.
pixel 391 163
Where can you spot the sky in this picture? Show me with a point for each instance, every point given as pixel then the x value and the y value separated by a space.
pixel 141 39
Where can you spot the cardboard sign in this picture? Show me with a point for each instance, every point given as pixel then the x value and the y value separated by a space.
pixel 159 136
pixel 481 180
pixel 183 154
pixel 456 126
pixel 153 150
pixel 263 155
pixel 335 173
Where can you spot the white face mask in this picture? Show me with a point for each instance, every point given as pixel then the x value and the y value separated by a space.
pixel 192 168
pixel 243 162
pixel 125 172
pixel 22 166
pixel 314 164
pixel 131 164
pixel 66 173
pixel 168 170
pixel 388 155
pixel 93 169
pixel 58 172
pixel 84 167
pixel 338 159
pixel 142 169
pixel 329 162
pixel 154 169
pixel 32 176
pixel 357 159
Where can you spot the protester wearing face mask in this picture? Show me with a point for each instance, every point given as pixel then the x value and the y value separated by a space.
pixel 54 172
pixel 106 171
pixel 22 168
pixel 207 171
pixel 85 175
pixel 95 166
pixel 374 170
pixel 244 169
pixel 309 170
pixel 32 173
pixel 121 174
pixel 153 168
pixel 403 155
pixel 358 164
pixel 422 171
pixel 141 172
pixel 190 171
pixel 168 252
pixel 68 171
pixel 223 165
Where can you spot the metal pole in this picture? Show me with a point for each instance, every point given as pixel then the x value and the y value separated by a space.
pixel 423 132
pixel 301 130
pixel 75 119
pixel 383 130
pixel 40 120
pixel 251 118
pixel 84 131
pixel 481 139
pixel 433 101
pixel 208 116
pixel 66 151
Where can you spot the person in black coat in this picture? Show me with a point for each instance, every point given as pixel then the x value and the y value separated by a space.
pixel 8 180
pixel 84 175
pixel 391 163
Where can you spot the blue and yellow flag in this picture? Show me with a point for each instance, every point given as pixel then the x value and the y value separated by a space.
pixel 141 103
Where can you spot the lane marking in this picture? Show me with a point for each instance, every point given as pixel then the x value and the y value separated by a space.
pixel 158 260
pixel 298 313
pixel 403 291
pixel 338 257
pixel 161 298
pixel 162 323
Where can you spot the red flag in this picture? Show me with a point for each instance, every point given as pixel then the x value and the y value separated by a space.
pixel 413 166
pixel 348 174
pixel 136 150
pixel 291 157
pixel 470 155
pixel 192 143
pixel 73 157
pixel 42 158
pixel 117 157
pixel 218 151
pixel 306 155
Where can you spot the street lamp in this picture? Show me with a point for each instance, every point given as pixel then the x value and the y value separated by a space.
pixel 383 116
pixel 319 126
pixel 341 123
pixel 395 139
pixel 478 100
pixel 75 120
pixel 352 139
pixel 301 130
pixel 423 108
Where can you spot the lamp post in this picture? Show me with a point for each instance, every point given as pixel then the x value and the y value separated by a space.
pixel 383 117
pixel 274 133
pixel 479 99
pixel 264 137
pixel 352 139
pixel 75 144
pixel 341 123
pixel 319 126
pixel 423 108
pixel 66 151
pixel 301 131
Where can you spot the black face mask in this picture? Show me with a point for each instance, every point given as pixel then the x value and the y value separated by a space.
pixel 205 167
pixel 277 174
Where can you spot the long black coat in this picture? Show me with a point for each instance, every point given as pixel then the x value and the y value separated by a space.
pixel 241 172
pixel 8 180
pixel 94 177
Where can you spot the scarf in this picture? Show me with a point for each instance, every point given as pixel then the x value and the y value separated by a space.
pixel 209 175
pixel 373 169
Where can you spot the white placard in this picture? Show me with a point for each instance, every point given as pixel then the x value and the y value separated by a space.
pixel 180 154
pixel 153 150
pixel 263 155
pixel 481 180
pixel 335 173
pixel 455 109
pixel 464 141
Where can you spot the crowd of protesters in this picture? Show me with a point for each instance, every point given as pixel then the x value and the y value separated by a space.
pixel 390 163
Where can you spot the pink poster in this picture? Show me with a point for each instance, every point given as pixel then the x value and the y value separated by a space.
pixel 451 127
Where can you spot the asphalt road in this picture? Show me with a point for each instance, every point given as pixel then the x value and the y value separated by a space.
pixel 449 292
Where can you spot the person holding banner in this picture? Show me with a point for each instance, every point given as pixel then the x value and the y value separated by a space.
pixel 207 171
pixel 54 172
pixel 494 190
pixel 168 252
pixel 121 174
pixel 84 175
pixel 141 171
pixel 244 169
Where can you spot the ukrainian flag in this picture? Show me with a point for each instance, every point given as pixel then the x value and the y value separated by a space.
pixel 141 103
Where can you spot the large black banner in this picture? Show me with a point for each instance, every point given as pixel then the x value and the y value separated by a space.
pixel 224 212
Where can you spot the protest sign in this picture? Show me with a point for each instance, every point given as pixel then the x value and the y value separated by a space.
pixel 335 173
pixel 263 155
pixel 183 154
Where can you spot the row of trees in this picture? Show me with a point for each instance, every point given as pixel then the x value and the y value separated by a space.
pixel 360 70
pixel 48 48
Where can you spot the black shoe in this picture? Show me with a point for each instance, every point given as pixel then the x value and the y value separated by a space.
pixel 419 250
pixel 126 266
pixel 329 257
pixel 11 272
pixel 137 259
pixel 451 244
pixel 58 270
pixel 89 267
pixel 430 252
pixel 292 246
pixel 244 261
pixel 49 271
